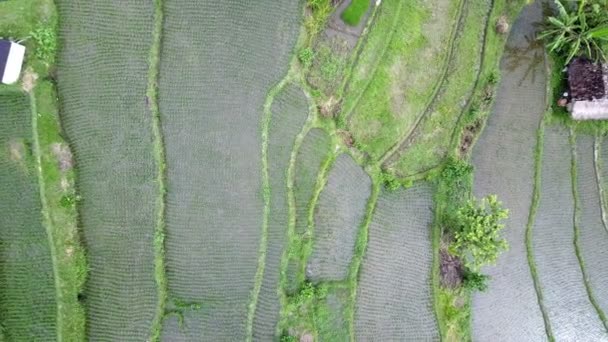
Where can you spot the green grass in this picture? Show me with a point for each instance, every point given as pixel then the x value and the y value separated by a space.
pixel 353 14
pixel 391 90
pixel 37 19
pixel 429 143
pixel 159 154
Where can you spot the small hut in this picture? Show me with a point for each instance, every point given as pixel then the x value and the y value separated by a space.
pixel 11 61
pixel 588 90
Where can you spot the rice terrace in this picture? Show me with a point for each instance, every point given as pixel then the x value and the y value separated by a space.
pixel 304 170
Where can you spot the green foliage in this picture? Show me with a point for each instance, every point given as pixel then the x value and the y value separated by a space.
pixel 580 28
pixel 288 338
pixel 306 56
pixel 69 201
pixel 390 181
pixel 477 229
pixel 493 77
pixel 320 12
pixel 455 170
pixel 46 43
pixel 475 281
pixel 353 14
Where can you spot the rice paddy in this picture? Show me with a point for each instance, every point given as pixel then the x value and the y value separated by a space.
pixel 177 170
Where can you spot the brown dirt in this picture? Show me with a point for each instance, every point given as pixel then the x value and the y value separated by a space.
pixel 330 108
pixel 29 80
pixel 502 25
pixel 450 269
pixel 468 137
pixel 306 337
pixel 346 137
pixel 63 155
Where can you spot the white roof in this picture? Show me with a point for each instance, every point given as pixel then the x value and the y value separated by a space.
pixel 590 110
pixel 14 63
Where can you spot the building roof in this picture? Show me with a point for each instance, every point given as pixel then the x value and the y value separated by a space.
pixel 11 61
pixel 588 89
pixel 585 80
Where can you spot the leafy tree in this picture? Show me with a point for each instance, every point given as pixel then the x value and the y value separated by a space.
pixel 580 28
pixel 475 281
pixel 477 232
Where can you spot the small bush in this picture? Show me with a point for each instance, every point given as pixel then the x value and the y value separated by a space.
pixel 494 77
pixel 46 44
pixel 455 170
pixel 306 56
pixel 68 201
pixel 475 281
pixel 390 182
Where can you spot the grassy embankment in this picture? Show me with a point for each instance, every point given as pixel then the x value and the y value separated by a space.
pixel 453 305
pixel 386 102
pixel 36 22
pixel 159 155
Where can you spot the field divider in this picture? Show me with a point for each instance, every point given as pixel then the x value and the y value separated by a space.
pixel 160 272
pixel 291 200
pixel 360 249
pixel 597 148
pixel 47 221
pixel 577 232
pixel 530 224
pixel 445 67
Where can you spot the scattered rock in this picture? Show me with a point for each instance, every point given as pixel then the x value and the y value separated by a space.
pixel 502 25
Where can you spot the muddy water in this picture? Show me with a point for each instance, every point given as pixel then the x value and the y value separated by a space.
pixel 504 165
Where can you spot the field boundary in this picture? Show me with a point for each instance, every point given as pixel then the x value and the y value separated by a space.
pixel 438 84
pixel 47 221
pixel 577 232
pixel 160 274
pixel 597 148
pixel 360 249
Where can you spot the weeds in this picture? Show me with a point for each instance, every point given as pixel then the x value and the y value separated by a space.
pixel 46 43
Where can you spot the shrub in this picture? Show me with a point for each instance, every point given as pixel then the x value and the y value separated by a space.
pixel 390 181
pixel 477 229
pixel 305 56
pixel 456 170
pixel 46 44
pixel 580 28
pixel 475 281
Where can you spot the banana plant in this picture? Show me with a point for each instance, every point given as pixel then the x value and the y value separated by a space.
pixel 581 29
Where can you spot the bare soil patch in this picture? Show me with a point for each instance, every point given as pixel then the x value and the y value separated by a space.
pixel 16 150
pixel 451 269
pixel 63 155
